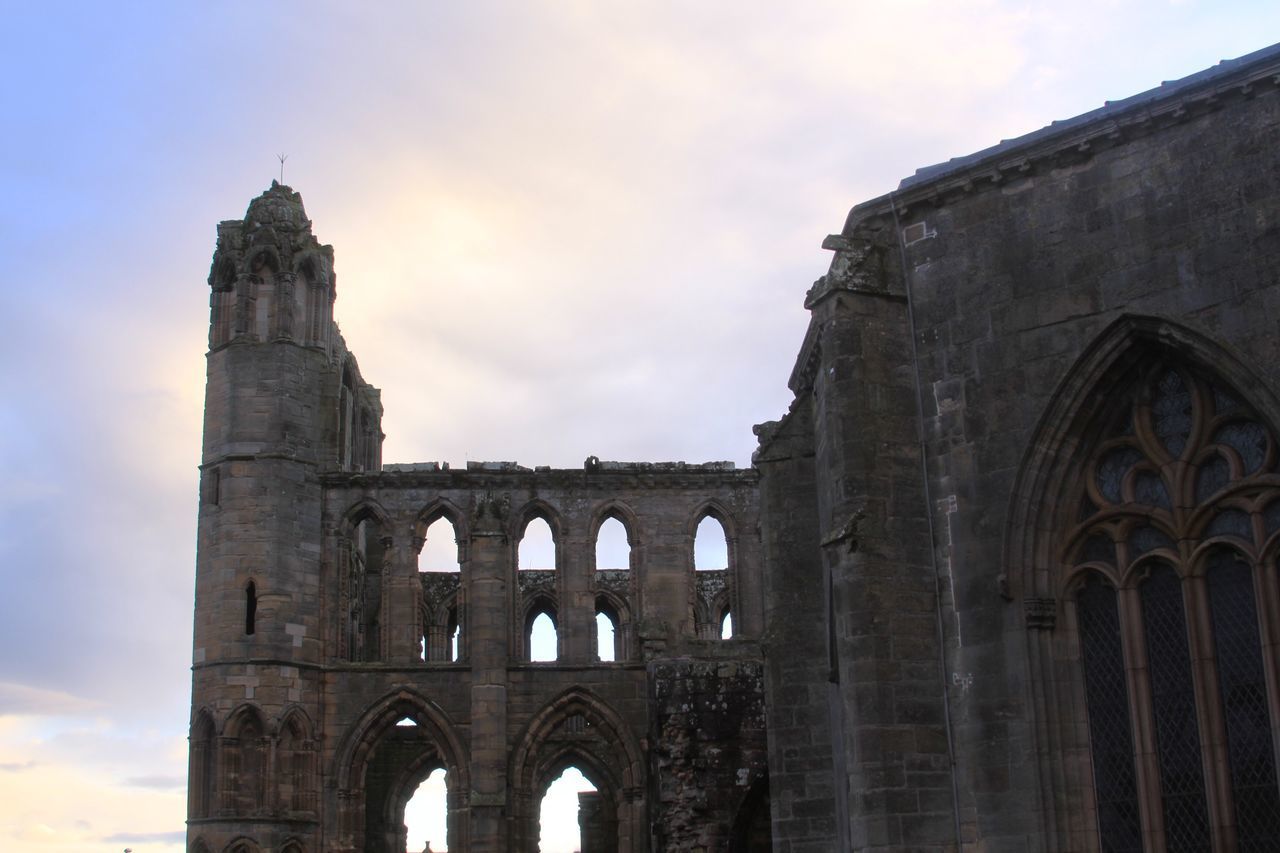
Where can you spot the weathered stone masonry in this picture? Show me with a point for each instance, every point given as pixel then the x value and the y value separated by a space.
pixel 316 633
pixel 1003 578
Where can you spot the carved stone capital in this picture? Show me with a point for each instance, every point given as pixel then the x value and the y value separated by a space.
pixel 489 516
pixel 1041 613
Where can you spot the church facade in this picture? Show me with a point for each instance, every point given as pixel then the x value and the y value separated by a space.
pixel 1002 578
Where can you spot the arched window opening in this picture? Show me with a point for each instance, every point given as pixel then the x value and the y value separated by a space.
pixel 606 632
pixel 726 625
pixel 1107 694
pixel 250 608
pixel 440 549
pixel 562 812
pixel 537 546
pixel 1242 687
pixel 406 722
pixel 426 814
pixel 203 766
pixel 613 545
pixel 455 635
pixel 540 636
pixel 710 546
pixel 293 762
pixel 364 591
pixel 346 415
pixel 248 765
pixel 441 635
pixel 1150 604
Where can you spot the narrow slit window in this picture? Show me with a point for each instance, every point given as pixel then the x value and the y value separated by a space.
pixel 606 634
pixel 250 608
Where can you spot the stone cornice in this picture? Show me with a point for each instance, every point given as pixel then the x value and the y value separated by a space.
pixel 607 477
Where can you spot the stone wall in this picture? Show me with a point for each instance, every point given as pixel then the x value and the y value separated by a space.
pixel 958 325
pixel 709 748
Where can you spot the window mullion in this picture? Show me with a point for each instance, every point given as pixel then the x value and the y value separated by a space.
pixel 1265 593
pixel 1213 737
pixel 1146 758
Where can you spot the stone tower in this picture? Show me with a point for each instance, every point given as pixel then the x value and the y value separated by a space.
pixel 332 676
pixel 283 402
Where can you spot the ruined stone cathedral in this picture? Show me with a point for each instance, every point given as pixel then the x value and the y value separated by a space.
pixel 1003 578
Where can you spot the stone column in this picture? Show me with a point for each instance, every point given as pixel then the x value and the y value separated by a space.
pixel 577 606
pixel 488 579
pixel 401 602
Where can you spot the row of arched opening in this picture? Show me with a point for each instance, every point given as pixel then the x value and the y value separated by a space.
pixel 250 769
pixel 443 629
pixel 537 547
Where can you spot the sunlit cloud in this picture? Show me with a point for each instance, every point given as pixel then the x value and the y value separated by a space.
pixel 22 699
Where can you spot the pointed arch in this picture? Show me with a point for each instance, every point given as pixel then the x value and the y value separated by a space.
pixel 624 756
pixel 364 537
pixel 243 844
pixel 540 602
pixel 199 845
pixel 383 715
pixel 243 761
pixel 617 509
pixel 263 257
pixel 312 266
pixel 246 716
pixel 203 765
pixel 434 511
pixel 1060 438
pixel 295 761
pixel 1147 466
pixel 358 748
pixel 577 727
pixel 716 509
pixel 365 509
pixel 538 508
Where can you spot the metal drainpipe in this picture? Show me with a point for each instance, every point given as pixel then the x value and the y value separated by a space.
pixel 933 549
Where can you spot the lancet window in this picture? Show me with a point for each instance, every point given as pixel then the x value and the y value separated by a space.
pixel 1172 594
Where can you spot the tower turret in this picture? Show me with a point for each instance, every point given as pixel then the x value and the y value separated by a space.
pixel 284 403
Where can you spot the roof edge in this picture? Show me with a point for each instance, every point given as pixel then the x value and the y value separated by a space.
pixel 1078 138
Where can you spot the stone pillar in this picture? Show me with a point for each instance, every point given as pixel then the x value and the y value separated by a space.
pixel 488 580
pixel 876 547
pixel 667 577
pixel 577 606
pixel 401 602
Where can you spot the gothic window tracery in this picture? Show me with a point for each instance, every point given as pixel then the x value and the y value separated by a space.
pixel 1172 579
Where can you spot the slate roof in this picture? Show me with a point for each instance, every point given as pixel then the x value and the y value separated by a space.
pixel 1228 73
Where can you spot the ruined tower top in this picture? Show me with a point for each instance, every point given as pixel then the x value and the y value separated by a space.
pixel 278 207
pixel 274 237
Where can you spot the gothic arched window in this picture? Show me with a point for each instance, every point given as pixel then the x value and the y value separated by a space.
pixel 1171 590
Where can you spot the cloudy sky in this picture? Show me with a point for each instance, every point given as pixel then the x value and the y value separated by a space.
pixel 561 229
